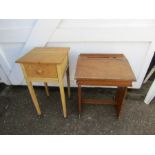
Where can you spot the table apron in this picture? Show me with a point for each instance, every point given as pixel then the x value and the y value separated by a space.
pixel 104 83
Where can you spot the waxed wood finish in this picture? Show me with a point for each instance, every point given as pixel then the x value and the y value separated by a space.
pixel 120 96
pixel 46 65
pixel 46 55
pixel 104 70
pixel 104 82
pixel 41 70
pixel 32 92
pixel 104 66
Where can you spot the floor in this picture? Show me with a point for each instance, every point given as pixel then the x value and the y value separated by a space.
pixel 18 116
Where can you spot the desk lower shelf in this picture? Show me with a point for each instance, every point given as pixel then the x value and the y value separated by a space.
pixel 98 101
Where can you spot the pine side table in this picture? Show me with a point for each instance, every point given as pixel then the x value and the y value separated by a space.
pixel 104 70
pixel 46 65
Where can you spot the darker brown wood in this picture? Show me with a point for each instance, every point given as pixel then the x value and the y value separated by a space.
pixel 113 67
pixel 99 55
pixel 98 101
pixel 120 96
pixel 104 70
pixel 79 99
pixel 91 82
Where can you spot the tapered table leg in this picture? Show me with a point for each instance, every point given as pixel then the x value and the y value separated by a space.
pixel 63 100
pixel 62 92
pixel 34 98
pixel 120 96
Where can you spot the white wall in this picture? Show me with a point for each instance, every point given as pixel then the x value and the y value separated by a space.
pixel 134 38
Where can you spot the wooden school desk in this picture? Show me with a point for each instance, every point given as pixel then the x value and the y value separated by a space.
pixel 104 70
pixel 46 65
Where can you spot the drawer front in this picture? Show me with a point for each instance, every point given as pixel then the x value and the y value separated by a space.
pixel 40 70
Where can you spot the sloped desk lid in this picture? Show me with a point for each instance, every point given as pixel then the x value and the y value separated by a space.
pixel 104 67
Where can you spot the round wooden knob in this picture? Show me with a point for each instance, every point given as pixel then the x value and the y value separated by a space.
pixel 39 71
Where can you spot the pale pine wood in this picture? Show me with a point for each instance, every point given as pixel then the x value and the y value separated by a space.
pixel 46 65
pixel 46 89
pixel 32 92
pixel 45 55
pixel 55 80
pixel 34 98
pixel 64 65
pixel 62 93
pixel 63 100
pixel 41 70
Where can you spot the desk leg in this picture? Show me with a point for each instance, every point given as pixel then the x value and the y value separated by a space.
pixel 62 92
pixel 63 100
pixel 33 96
pixel 46 89
pixel 79 99
pixel 120 96
pixel 68 82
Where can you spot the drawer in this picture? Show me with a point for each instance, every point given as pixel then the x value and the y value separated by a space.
pixel 41 70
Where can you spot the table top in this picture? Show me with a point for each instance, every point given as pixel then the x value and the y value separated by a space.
pixel 45 55
pixel 103 67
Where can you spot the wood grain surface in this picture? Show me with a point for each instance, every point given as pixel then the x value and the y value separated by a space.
pixel 46 55
pixel 104 67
